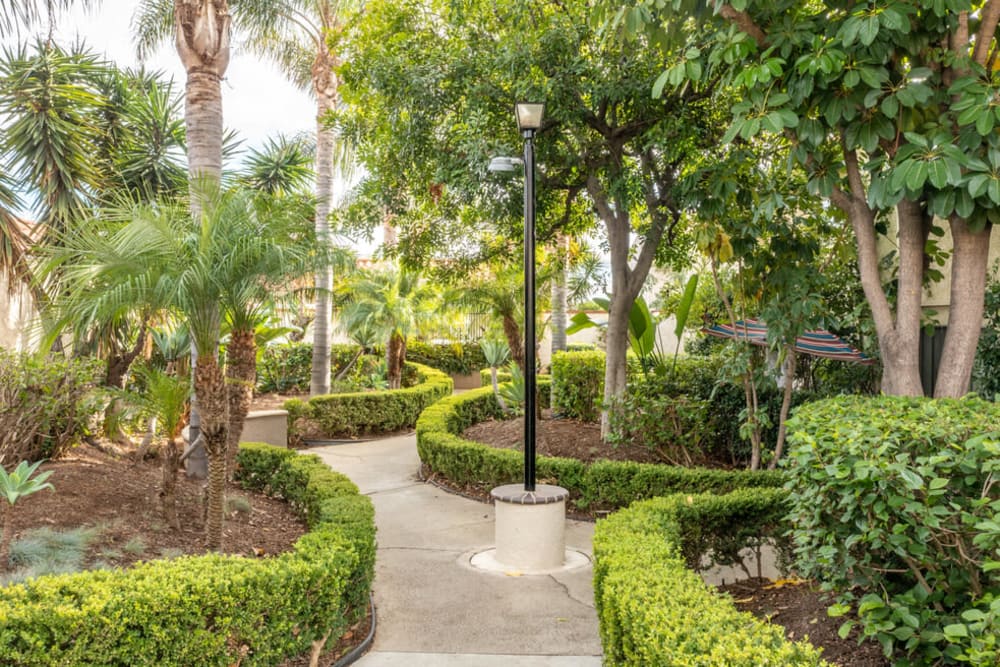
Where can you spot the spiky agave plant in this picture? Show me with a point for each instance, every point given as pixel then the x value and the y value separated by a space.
pixel 19 483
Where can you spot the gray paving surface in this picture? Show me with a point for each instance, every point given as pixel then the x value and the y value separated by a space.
pixel 433 607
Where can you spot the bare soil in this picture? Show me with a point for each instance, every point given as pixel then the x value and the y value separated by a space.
pixel 800 609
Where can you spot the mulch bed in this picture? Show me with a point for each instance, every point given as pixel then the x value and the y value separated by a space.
pixel 801 610
pixel 120 496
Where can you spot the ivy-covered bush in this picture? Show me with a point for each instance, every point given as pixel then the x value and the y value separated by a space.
pixel 454 358
pixel 602 485
pixel 45 405
pixel 286 368
pixel 895 505
pixel 578 384
pixel 370 412
pixel 654 610
pixel 210 610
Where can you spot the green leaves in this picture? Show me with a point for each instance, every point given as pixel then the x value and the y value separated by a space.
pixel 19 482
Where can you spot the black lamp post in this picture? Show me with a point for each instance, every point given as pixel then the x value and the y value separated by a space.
pixel 529 120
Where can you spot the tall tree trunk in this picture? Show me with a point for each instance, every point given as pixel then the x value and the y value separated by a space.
pixel 168 488
pixel 969 266
pixel 559 295
pixel 615 358
pixel 325 89
pixel 395 356
pixel 786 404
pixel 210 386
pixel 241 375
pixel 201 36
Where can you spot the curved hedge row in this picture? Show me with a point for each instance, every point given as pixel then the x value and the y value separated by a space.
pixel 595 486
pixel 653 610
pixel 370 412
pixel 214 609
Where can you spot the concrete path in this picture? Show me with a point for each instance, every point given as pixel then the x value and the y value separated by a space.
pixel 433 608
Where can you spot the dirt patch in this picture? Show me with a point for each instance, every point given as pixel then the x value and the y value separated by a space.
pixel 801 610
pixel 569 438
pixel 119 497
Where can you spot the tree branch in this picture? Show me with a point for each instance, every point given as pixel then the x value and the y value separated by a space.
pixel 988 18
pixel 743 22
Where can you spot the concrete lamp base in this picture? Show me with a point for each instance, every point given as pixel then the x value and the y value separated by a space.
pixel 530 527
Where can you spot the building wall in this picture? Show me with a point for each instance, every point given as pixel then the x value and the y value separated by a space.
pixel 18 321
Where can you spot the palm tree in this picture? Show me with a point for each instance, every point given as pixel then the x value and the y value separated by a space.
pixel 297 35
pixel 160 257
pixel 393 302
pixel 281 166
pixel 18 14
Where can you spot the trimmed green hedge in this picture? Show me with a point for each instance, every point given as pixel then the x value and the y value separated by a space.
pixel 597 486
pixel 654 610
pixel 371 412
pixel 455 358
pixel 578 384
pixel 210 610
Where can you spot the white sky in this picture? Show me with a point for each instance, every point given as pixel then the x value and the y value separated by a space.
pixel 257 101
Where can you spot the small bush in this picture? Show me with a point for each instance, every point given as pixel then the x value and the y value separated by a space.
pixel 44 405
pixel 653 610
pixel 676 428
pixel 454 358
pixel 578 384
pixel 364 413
pixel 210 610
pixel 899 496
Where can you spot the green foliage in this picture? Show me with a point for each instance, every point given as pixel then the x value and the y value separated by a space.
pixel 898 496
pixel 286 367
pixel 209 610
pixel 46 405
pixel 986 373
pixel 578 384
pixel 676 428
pixel 363 413
pixel 20 482
pixel 598 486
pixel 454 358
pixel 653 610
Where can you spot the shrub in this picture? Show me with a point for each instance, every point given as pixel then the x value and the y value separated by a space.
pixel 597 486
pixel 287 367
pixel 653 610
pixel 676 428
pixel 209 610
pixel 45 405
pixel 362 413
pixel 899 497
pixel 578 384
pixel 454 358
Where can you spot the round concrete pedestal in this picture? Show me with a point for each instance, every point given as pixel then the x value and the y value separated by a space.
pixel 530 527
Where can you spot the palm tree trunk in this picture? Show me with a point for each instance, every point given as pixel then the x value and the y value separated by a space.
pixel 395 355
pixel 559 295
pixel 324 86
pixel 512 333
pixel 211 390
pixel 168 490
pixel 241 375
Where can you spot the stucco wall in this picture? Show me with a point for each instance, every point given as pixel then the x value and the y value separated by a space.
pixel 17 320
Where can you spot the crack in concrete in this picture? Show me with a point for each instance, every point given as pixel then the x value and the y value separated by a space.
pixel 585 603
pixel 392 489
pixel 437 550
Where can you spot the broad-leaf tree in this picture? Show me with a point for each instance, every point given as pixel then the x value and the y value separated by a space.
pixel 892 108
pixel 431 109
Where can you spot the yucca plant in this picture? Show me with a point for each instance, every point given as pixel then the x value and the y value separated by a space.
pixel 14 486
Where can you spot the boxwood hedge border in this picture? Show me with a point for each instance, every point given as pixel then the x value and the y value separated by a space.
pixel 214 609
pixel 602 485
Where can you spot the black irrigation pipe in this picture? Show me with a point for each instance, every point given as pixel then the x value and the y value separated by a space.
pixel 362 648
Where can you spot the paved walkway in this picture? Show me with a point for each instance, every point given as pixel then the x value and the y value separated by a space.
pixel 433 608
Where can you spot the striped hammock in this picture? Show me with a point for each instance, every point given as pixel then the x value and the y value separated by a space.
pixel 819 343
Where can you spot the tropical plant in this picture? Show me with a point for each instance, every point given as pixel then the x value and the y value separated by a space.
pixel 393 302
pixel 15 485
pixel 497 354
pixel 18 14
pixel 281 166
pixel 165 398
pixel 642 336
pixel 513 392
